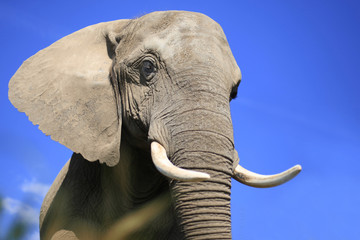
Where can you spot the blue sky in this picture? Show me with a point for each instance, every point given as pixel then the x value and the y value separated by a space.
pixel 298 103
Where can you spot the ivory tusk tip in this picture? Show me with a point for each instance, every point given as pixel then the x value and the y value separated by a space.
pixel 293 172
pixel 297 168
pixel 164 166
pixel 203 176
pixel 200 176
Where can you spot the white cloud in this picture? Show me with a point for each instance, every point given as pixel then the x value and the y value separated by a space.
pixel 27 213
pixel 34 236
pixel 35 187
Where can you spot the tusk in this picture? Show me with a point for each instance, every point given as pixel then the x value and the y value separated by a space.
pixel 263 181
pixel 163 165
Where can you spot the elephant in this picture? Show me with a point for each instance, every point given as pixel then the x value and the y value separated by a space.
pixel 144 104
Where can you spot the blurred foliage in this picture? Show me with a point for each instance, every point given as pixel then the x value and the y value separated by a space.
pixel 122 229
pixel 138 219
pixel 17 229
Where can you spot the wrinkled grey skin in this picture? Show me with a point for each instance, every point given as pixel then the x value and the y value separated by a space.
pixel 110 117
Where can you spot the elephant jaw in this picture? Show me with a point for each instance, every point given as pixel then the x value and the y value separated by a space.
pixel 242 175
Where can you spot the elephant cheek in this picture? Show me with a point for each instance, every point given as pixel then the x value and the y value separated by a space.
pixel 159 132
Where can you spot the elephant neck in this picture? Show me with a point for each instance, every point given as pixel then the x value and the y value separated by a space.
pixel 134 181
pixel 136 186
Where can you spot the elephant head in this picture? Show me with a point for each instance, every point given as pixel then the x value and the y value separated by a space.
pixel 162 83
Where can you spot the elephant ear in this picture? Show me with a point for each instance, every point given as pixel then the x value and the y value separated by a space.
pixel 66 90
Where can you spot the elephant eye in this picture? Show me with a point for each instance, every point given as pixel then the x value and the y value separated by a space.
pixel 233 94
pixel 148 69
pixel 234 91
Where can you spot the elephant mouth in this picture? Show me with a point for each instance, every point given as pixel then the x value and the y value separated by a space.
pixel 242 175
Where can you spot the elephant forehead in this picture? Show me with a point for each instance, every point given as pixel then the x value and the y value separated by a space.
pixel 158 21
pixel 170 32
pixel 179 36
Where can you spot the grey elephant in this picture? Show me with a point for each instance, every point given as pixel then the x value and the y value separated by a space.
pixel 144 106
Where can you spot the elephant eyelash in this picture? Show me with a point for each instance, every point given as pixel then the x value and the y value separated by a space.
pixel 137 63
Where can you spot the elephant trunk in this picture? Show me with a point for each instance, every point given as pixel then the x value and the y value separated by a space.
pixel 202 141
pixel 204 210
pixel 195 128
pixel 204 207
